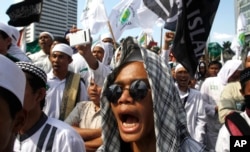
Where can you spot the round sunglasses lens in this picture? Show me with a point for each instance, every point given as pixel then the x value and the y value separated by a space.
pixel 113 93
pixel 138 90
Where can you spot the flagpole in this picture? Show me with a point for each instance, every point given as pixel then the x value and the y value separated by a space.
pixel 111 31
pixel 161 38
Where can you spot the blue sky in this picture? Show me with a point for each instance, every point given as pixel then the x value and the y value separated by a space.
pixel 223 28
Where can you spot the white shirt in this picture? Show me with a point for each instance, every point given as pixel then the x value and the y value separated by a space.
pixel 223 141
pixel 195 113
pixel 54 95
pixel 100 73
pixel 211 90
pixel 16 52
pixel 52 135
pixel 41 60
pixel 80 66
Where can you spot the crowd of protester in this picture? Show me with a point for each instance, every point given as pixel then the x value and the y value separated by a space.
pixel 115 97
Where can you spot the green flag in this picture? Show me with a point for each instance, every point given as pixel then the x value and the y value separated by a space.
pixel 214 49
pixel 33 47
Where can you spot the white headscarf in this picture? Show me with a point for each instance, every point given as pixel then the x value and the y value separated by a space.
pixel 228 69
pixel 108 51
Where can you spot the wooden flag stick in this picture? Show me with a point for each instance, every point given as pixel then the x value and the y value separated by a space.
pixel 146 40
pixel 111 31
pixel 161 38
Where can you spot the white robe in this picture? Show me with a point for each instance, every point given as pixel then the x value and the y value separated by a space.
pixel 16 52
pixel 100 73
pixel 41 60
pixel 195 113
pixel 211 91
pixel 54 95
pixel 80 66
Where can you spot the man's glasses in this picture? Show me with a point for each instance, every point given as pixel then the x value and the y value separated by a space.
pixel 137 90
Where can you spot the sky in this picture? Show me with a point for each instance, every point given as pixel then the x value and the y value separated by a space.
pixel 223 28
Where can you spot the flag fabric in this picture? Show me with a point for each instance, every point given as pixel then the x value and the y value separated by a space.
pixel 144 39
pixel 238 42
pixel 167 10
pixel 94 16
pixel 147 18
pixel 25 13
pixel 123 17
pixel 194 22
pixel 129 14
pixel 193 27
pixel 214 49
pixel 32 47
pixel 22 39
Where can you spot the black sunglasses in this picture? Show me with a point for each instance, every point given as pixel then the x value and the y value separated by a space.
pixel 137 90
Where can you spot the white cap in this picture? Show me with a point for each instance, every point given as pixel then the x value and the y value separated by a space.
pixel 12 78
pixel 106 35
pixel 14 34
pixel 5 28
pixel 64 48
pixel 178 67
pixel 48 33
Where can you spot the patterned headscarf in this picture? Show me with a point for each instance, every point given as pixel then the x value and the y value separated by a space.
pixel 169 116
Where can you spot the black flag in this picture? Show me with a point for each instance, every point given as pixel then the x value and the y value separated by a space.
pixel 193 27
pixel 165 9
pixel 194 19
pixel 24 13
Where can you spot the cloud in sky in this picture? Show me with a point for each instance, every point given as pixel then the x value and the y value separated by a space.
pixel 221 37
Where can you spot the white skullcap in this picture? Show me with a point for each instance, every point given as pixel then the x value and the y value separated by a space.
pixel 64 48
pixel 14 35
pixel 48 33
pixel 178 67
pixel 5 28
pixel 106 35
pixel 12 78
pixel 202 64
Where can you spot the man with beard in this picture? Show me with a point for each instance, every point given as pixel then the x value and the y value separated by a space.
pixel 41 58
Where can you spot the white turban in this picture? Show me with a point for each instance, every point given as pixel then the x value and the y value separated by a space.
pixel 64 48
pixel 178 67
pixel 48 33
pixel 106 35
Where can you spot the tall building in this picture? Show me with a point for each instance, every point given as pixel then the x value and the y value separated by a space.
pixel 57 17
pixel 243 6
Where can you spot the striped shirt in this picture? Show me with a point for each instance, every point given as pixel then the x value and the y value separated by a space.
pixel 49 134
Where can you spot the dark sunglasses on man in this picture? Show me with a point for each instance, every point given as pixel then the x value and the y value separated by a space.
pixel 137 90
